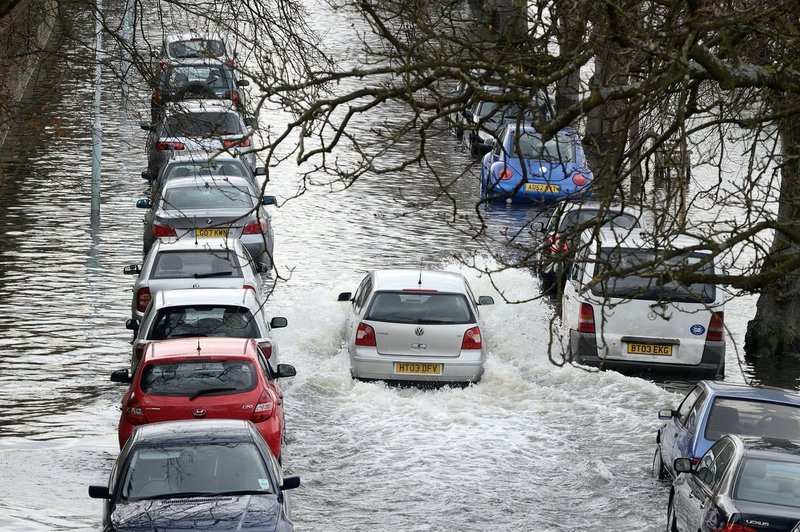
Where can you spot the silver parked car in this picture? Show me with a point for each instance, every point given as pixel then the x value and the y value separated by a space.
pixel 415 325
pixel 195 164
pixel 202 312
pixel 201 208
pixel 190 263
pixel 206 126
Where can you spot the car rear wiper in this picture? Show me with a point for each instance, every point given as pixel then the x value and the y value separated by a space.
pixel 213 274
pixel 207 391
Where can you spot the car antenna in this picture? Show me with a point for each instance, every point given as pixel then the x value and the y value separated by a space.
pixel 198 346
pixel 419 283
pixel 195 232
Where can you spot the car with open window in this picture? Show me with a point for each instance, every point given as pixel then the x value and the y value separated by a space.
pixel 624 306
pixel 741 484
pixel 712 409
pixel 205 378
pixel 205 312
pixel 205 474
pixel 523 166
pixel 415 325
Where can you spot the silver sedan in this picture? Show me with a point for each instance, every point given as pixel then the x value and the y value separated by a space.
pixel 415 325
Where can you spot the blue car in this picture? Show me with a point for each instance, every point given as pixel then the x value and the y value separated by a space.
pixel 712 409
pixel 521 166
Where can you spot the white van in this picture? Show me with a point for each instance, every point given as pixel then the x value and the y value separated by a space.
pixel 620 315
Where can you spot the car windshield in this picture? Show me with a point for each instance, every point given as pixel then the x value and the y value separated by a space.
pixel 420 307
pixel 753 418
pixel 197 48
pixel 607 219
pixel 204 124
pixel 205 320
pixel 769 482
pixel 196 264
pixel 531 146
pixel 215 77
pixel 204 169
pixel 159 472
pixel 192 377
pixel 646 284
pixel 206 196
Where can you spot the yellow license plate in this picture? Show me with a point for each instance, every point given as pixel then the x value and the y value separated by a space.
pixel 535 187
pixel 650 349
pixel 211 233
pixel 417 368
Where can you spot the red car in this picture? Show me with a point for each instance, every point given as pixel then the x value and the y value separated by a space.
pixel 205 378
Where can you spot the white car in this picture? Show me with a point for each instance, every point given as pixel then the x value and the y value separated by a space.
pixel 202 312
pixel 193 263
pixel 618 315
pixel 415 325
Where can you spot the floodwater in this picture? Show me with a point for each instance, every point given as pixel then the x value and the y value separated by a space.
pixel 533 446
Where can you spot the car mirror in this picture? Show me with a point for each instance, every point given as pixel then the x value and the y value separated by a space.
pixel 666 414
pixel 286 370
pixel 242 83
pixel 144 203
pixel 260 170
pixel 485 300
pixel 278 322
pixel 489 143
pixel 262 267
pixel 146 126
pixel 121 376
pixel 537 226
pixel 683 465
pixel 132 324
pixel 147 174
pixel 290 483
pixel 268 200
pixel 100 492
pixel 131 269
pixel 345 296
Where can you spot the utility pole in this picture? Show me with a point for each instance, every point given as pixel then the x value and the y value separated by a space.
pixel 97 127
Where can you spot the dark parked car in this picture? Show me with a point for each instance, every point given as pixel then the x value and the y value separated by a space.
pixel 196 475
pixel 740 485
pixel 712 409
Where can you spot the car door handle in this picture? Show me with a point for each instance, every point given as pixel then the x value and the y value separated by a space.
pixel 691 495
pixel 703 505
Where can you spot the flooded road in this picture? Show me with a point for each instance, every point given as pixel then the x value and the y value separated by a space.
pixel 532 447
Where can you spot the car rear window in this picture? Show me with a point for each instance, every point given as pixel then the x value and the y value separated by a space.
pixel 160 470
pixel 196 265
pixel 646 284
pixel 204 377
pixel 197 48
pixel 205 320
pixel 605 218
pixel 206 196
pixel 752 418
pixel 204 169
pixel 420 307
pixel 769 482
pixel 531 146
pixel 204 124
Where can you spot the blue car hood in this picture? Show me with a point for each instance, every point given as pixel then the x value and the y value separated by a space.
pixel 240 512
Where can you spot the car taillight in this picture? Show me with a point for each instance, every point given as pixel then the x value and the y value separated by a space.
pixel 255 228
pixel 142 299
pixel 695 462
pixel 162 64
pixel 249 287
pixel 716 329
pixel 264 408
pixel 134 413
pixel 237 143
pixel 365 335
pixel 472 339
pixel 505 174
pixel 140 351
pixel 267 348
pixel 734 527
pixel 235 98
pixel 579 179
pixel 169 145
pixel 160 231
pixel 586 318
pixel 552 243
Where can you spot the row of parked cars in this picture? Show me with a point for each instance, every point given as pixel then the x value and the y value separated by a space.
pixel 730 452
pixel 202 422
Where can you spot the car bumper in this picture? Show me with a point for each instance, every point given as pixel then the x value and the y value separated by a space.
pixel 465 368
pixel 583 350
pixel 505 191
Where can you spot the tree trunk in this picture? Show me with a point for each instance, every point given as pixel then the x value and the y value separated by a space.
pixel 775 329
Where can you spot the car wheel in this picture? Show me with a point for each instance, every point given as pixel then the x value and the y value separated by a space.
pixel 658 466
pixel 672 521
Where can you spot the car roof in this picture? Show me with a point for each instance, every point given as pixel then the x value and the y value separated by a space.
pixel 745 391
pixel 401 279
pixel 201 157
pixel 236 181
pixel 775 448
pixel 191 244
pixel 192 36
pixel 639 238
pixel 568 206
pixel 529 129
pixel 208 347
pixel 206 296
pixel 200 61
pixel 192 431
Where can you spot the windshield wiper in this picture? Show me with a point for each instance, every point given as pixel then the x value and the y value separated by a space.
pixel 212 274
pixel 207 391
pixel 177 495
pixel 240 492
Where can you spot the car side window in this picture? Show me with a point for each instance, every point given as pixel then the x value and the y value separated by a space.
pixel 714 463
pixel 262 361
pixel 362 293
pixel 687 404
